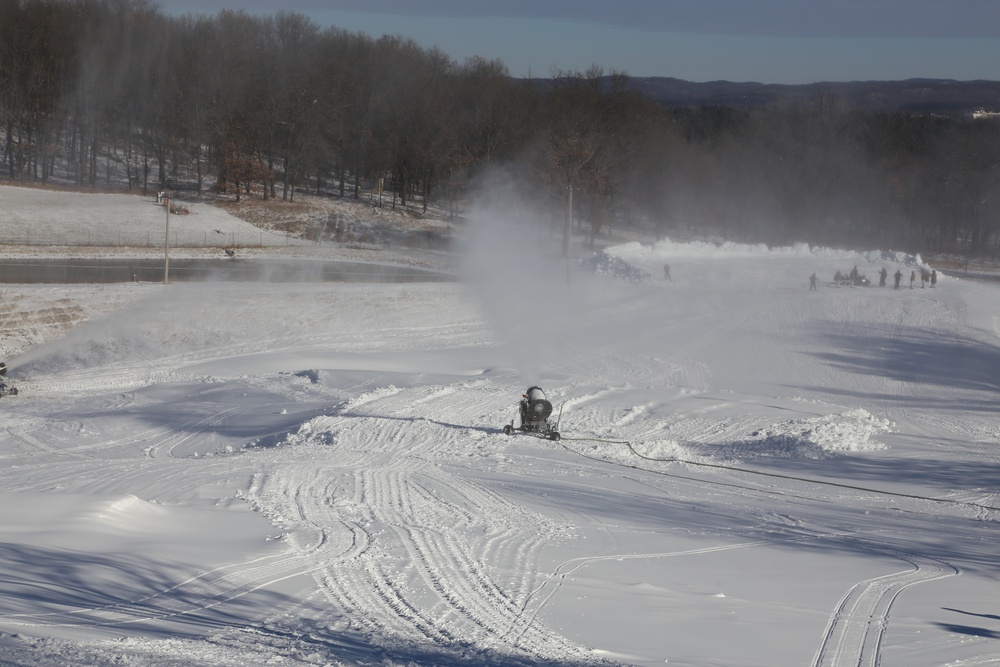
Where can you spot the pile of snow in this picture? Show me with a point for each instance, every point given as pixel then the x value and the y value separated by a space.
pixel 901 258
pixel 815 438
pixel 319 431
pixel 603 263
pixel 818 437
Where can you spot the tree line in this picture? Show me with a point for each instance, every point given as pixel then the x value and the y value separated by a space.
pixel 98 92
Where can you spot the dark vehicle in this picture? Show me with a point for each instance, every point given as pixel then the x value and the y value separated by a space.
pixel 5 389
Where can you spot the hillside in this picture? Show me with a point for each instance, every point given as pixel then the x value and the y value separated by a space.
pixel 923 96
pixel 750 473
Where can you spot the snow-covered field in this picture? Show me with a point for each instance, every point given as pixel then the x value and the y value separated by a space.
pixel 32 217
pixel 750 473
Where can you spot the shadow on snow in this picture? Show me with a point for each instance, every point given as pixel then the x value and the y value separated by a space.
pixel 935 359
pixel 117 595
pixel 120 594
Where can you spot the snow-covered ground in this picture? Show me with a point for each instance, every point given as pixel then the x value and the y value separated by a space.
pixel 32 217
pixel 750 473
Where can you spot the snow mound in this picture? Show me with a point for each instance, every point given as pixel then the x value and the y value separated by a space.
pixel 659 450
pixel 317 431
pixel 814 438
pixel 638 254
pixel 125 514
pixel 130 505
pixel 604 264
pixel 371 396
pixel 668 247
pixel 896 257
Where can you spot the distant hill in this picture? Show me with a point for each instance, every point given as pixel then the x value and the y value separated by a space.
pixel 917 95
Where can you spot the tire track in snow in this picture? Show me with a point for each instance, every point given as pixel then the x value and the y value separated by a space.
pixel 512 534
pixel 177 436
pixel 356 579
pixel 471 604
pixel 424 574
pixel 155 438
pixel 474 597
pixel 506 543
pixel 854 633
pixel 26 436
pixel 540 597
pixel 192 597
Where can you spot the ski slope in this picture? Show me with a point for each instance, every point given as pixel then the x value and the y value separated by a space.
pixel 750 473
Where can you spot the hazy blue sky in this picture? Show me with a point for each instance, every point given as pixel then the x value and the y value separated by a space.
pixel 771 41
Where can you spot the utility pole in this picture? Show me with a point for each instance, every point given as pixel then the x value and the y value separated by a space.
pixel 567 232
pixel 166 244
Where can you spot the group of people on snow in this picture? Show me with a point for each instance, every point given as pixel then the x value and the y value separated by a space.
pixel 855 278
pixel 851 278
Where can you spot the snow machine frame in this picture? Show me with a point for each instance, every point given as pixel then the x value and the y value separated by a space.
pixel 5 389
pixel 534 416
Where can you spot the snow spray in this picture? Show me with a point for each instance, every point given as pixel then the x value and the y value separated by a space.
pixel 512 259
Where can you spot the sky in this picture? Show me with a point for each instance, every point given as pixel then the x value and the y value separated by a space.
pixel 770 41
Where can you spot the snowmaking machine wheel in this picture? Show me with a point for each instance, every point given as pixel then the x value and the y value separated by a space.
pixel 555 436
pixel 508 429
